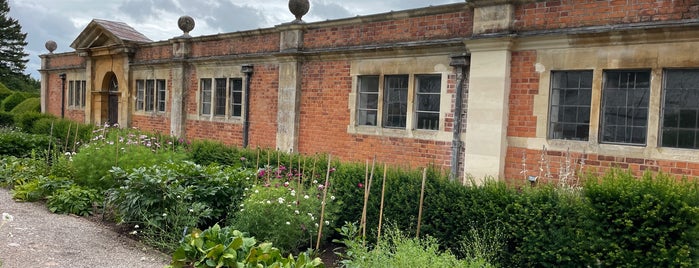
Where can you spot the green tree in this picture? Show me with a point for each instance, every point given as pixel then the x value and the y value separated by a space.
pixel 12 56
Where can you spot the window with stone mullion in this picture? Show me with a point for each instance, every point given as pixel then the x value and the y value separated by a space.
pixel 680 112
pixel 625 100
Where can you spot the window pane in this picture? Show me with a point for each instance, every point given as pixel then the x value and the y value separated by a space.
pixel 150 95
pixel 140 93
pixel 368 100
pixel 71 93
pixel 220 97
pixel 625 106
pixel 236 88
pixel 395 101
pixel 680 110
pixel 427 101
pixel 569 114
pixel 82 93
pixel 206 96
pixel 161 95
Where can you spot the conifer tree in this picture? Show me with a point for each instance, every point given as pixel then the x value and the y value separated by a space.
pixel 12 42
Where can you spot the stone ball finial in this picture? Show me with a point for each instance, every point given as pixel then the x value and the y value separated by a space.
pixel 51 45
pixel 186 24
pixel 299 8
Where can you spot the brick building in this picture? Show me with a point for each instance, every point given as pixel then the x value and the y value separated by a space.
pixel 506 88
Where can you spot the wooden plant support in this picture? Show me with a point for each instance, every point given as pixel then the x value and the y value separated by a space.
pixel 65 146
pixel 367 192
pixel 257 163
pixel 383 192
pixel 422 198
pixel 75 139
pixel 366 178
pixel 49 150
pixel 116 155
pixel 322 205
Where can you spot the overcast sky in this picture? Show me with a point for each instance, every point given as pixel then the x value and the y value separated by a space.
pixel 63 20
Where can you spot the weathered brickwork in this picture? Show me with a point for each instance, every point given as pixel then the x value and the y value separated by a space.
pixel 65 60
pixel 156 52
pixel 524 86
pixel 239 45
pixel 75 115
pixel 548 15
pixel 263 106
pixel 520 159
pixel 157 123
pixel 229 134
pixel 437 26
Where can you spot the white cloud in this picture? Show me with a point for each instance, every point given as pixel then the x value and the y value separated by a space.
pixel 63 20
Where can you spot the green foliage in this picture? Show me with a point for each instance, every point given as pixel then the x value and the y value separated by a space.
pixel 226 247
pixel 647 222
pixel 206 152
pixel 20 144
pixel 73 200
pixel 28 105
pixel 25 121
pixel 40 188
pixel 13 57
pixel 11 101
pixel 68 134
pixel 121 149
pixel 22 83
pixel 4 91
pixel 295 206
pixel 397 250
pixel 16 171
pixel 7 119
pixel 171 197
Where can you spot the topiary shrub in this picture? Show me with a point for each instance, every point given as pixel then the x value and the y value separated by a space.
pixel 205 152
pixel 28 105
pixel 11 101
pixel 7 119
pixel 4 92
pixel 25 121
pixel 647 222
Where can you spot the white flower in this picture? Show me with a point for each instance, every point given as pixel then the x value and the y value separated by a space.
pixel 305 197
pixel 256 191
pixel 6 217
pixel 288 223
pixel 246 188
pixel 316 224
pixel 135 226
pixel 327 223
pixel 269 202
pixel 280 200
pixel 332 197
pixel 293 192
pixel 315 181
pixel 134 232
pixel 297 211
pixel 191 210
pixel 242 209
pixel 242 205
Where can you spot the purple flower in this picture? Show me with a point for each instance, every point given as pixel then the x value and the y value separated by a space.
pixel 360 185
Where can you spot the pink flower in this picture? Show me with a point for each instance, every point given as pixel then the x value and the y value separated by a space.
pixel 360 185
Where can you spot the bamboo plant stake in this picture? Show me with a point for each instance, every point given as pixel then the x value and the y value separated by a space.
pixel 322 205
pixel 367 192
pixel 65 146
pixel 49 150
pixel 257 163
pixel 422 197
pixel 366 178
pixel 116 158
pixel 383 192
pixel 75 139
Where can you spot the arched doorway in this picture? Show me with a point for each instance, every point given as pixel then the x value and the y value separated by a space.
pixel 112 99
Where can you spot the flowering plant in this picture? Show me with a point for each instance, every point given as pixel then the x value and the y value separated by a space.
pixel 283 210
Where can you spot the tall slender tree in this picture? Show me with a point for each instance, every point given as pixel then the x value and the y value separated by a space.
pixel 12 42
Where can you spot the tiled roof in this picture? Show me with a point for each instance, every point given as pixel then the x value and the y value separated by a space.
pixel 122 31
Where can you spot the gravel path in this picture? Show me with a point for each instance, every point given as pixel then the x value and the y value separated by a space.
pixel 39 238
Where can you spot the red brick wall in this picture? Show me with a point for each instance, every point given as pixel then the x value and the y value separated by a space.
pixel 65 60
pixel 228 133
pixel 155 123
pixel 325 116
pixel 447 25
pixel 524 86
pixel 238 45
pixel 263 106
pixel 593 163
pixel 75 115
pixel 544 15
pixel 53 105
pixel 163 51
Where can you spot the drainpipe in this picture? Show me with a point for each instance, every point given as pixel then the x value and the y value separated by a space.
pixel 63 94
pixel 460 62
pixel 247 69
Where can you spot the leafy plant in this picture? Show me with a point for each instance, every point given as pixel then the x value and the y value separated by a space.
pixel 16 143
pixel 28 105
pixel 74 200
pixel 40 188
pixel 396 250
pixel 282 210
pixel 226 247
pixel 7 119
pixel 16 171
pixel 11 101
